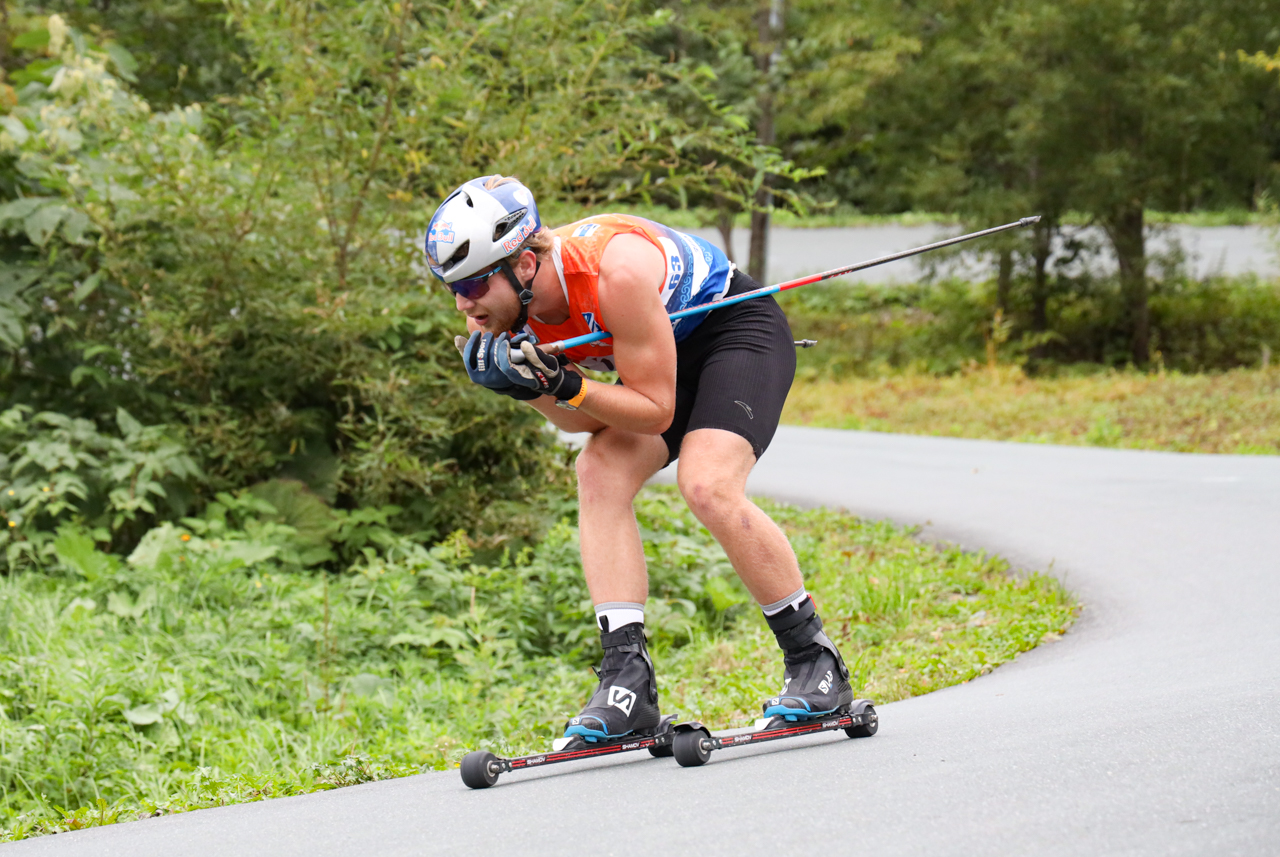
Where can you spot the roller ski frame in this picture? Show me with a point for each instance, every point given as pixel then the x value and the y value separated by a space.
pixel 694 742
pixel 480 768
pixel 690 742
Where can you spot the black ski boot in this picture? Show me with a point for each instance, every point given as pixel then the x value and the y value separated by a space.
pixel 627 699
pixel 815 681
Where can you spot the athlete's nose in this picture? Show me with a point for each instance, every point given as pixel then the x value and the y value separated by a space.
pixel 463 304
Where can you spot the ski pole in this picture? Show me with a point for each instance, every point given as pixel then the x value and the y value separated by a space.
pixel 565 344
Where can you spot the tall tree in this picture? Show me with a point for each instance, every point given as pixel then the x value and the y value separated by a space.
pixel 1098 106
pixel 797 70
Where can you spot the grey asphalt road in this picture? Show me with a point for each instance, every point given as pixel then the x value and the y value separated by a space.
pixel 1150 729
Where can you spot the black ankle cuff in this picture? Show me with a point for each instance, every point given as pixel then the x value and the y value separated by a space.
pixel 627 635
pixel 790 617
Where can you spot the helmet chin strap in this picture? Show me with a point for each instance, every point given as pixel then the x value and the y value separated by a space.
pixel 524 291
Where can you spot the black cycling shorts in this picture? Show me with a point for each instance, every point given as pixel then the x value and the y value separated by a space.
pixel 734 371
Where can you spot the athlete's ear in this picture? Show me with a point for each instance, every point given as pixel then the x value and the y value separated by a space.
pixel 527 265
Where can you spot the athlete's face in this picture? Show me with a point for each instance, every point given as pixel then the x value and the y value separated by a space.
pixel 495 309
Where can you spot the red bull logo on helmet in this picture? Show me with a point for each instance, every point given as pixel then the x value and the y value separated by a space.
pixel 441 232
pixel 527 228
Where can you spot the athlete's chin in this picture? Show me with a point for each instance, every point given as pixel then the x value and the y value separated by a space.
pixel 489 324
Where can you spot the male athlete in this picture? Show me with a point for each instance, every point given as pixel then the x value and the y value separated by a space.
pixel 707 389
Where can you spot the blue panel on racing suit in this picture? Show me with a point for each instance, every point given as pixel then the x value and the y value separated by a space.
pixel 698 273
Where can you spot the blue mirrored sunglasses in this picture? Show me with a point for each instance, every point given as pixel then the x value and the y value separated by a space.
pixel 473 287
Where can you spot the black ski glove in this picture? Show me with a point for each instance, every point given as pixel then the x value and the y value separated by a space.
pixel 539 372
pixel 479 354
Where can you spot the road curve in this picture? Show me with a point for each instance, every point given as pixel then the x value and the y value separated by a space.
pixel 1151 728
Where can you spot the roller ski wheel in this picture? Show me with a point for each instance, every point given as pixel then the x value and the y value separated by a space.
pixel 870 720
pixel 692 748
pixel 480 769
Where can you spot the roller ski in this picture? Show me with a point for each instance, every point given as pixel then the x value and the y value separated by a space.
pixel 816 695
pixel 621 716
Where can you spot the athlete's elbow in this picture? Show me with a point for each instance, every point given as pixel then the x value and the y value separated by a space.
pixel 661 422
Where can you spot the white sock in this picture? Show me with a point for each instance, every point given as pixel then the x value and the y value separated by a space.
pixel 612 615
pixel 795 599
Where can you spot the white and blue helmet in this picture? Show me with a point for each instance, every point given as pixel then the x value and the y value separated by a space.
pixel 475 228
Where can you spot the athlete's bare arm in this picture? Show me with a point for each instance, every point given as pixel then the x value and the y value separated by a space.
pixel 644 349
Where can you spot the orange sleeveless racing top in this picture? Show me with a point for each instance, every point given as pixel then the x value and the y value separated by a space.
pixel 698 273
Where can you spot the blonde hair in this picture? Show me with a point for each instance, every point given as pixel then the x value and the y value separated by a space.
pixel 539 242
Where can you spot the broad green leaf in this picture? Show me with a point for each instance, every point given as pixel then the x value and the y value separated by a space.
pixel 127 423
pixel 77 552
pixel 248 553
pixel 155 545
pixel 16 128
pixel 42 223
pixel 37 38
pixel 12 332
pixel 87 287
pixel 75 225
pixel 143 715
pixel 124 62
pixel 20 209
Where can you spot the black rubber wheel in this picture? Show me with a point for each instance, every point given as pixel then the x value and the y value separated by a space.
pixel 868 729
pixel 476 770
pixel 663 752
pixel 688 749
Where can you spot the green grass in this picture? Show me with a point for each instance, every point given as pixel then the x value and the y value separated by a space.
pixel 1229 412
pixel 204 671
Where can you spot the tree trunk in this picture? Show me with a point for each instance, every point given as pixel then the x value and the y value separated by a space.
pixel 1042 245
pixel 1127 229
pixel 1004 281
pixel 724 222
pixel 770 34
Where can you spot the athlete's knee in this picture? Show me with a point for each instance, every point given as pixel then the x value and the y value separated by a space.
pixel 605 470
pixel 712 501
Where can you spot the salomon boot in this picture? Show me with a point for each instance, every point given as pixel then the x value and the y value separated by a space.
pixel 815 681
pixel 627 699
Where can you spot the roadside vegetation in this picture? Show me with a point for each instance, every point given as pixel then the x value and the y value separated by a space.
pixel 1231 412
pixel 217 663
pixel 944 358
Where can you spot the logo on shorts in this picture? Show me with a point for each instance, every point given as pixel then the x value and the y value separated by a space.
pixel 746 408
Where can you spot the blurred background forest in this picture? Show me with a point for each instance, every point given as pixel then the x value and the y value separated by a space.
pixel 207 206
pixel 217 339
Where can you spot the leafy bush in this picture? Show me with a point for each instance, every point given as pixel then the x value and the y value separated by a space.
pixel 248 272
pixel 57 470
pixel 941 328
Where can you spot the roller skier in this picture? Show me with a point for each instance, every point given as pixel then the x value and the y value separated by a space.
pixel 706 391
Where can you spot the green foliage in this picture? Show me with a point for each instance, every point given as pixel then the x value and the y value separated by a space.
pixel 176 51
pixel 246 271
pixel 209 668
pixel 57 470
pixel 940 328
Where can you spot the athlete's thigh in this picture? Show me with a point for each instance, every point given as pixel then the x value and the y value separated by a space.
pixel 746 376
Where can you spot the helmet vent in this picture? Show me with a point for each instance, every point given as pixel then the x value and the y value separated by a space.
pixel 458 255
pixel 506 224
